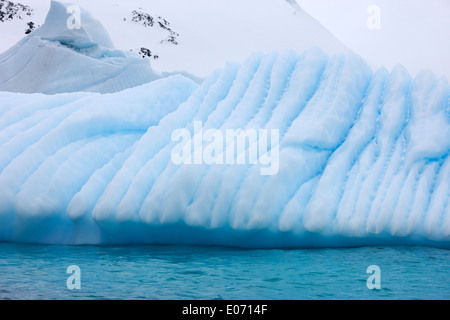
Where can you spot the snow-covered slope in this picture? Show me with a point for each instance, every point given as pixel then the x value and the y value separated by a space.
pixel 56 59
pixel 363 158
pixel 211 33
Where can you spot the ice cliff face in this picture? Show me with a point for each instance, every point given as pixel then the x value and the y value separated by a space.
pixel 62 56
pixel 361 157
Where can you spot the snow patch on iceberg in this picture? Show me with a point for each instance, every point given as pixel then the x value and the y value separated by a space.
pixel 55 59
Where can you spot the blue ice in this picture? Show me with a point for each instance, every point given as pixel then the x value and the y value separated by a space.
pixel 363 155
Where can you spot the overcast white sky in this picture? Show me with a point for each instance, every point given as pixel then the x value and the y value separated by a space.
pixel 415 33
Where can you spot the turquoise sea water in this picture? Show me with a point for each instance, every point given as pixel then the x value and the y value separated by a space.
pixel 195 272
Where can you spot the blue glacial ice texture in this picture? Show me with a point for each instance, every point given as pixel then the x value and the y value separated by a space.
pixel 363 159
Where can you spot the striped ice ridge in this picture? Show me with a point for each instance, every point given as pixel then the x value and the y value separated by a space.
pixel 363 159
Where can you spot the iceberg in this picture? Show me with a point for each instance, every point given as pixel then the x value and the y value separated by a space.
pixel 362 157
pixel 56 58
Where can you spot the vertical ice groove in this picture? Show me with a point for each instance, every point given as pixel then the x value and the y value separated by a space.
pixel 356 171
pixel 195 212
pixel 427 135
pixel 355 178
pixel 405 196
pixel 150 211
pixel 291 217
pixel 421 199
pixel 83 202
pixel 157 141
pixel 345 89
pixel 144 179
pixel 218 92
pixel 387 192
pixel 283 67
pixel 304 81
pixel 280 78
pixel 326 197
pixel 423 89
pixel 77 169
pixel 50 188
pixel 304 84
pixel 311 74
pixel 237 92
pixel 316 103
pixel 254 97
pixel 233 93
pixel 147 147
pixel 242 112
pixel 439 201
pixel 446 203
pixel 352 77
pixel 295 167
pixel 292 103
pixel 27 200
pixel 426 102
pixel 392 120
